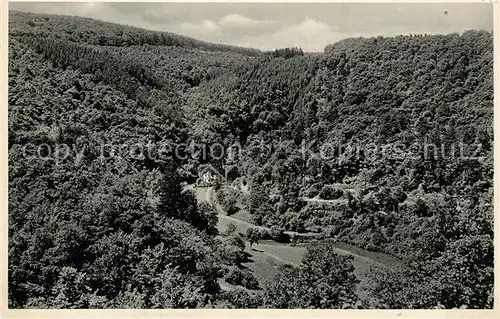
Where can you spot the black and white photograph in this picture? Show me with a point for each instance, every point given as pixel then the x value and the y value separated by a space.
pixel 171 155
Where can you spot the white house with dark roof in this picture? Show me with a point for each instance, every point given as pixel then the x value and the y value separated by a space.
pixel 209 176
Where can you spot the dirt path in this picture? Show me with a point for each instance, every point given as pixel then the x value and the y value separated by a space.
pixel 208 194
pixel 268 255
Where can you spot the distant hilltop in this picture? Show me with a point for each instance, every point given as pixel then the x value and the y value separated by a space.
pixel 97 32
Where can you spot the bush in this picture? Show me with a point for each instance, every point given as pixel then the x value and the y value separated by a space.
pixel 239 298
pixel 296 224
pixel 230 229
pixel 228 198
pixel 265 234
pixel 240 277
pixel 232 255
pixel 378 239
pixel 253 236
pixel 236 240
pixel 230 207
pixel 314 190
pixel 330 192
pixel 323 280
pixel 307 238
pixel 278 235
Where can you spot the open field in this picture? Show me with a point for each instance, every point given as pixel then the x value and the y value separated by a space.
pixel 268 255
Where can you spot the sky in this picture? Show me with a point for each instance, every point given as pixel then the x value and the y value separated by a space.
pixel 267 26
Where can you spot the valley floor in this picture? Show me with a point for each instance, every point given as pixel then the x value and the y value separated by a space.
pixel 266 256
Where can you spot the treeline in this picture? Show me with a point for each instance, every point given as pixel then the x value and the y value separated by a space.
pixel 95 32
pixel 286 53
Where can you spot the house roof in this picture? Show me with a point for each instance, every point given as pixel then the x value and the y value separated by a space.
pixel 209 167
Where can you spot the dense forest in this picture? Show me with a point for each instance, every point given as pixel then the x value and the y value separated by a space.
pixel 382 143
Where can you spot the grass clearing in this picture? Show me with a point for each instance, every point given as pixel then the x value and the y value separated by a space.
pixel 267 256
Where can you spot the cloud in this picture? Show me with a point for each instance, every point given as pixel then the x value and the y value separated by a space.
pixel 199 28
pixel 238 20
pixel 310 35
pixel 308 27
pixel 225 29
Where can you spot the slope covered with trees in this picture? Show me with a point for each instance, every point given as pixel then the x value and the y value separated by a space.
pixel 389 138
pixel 95 32
pixel 384 143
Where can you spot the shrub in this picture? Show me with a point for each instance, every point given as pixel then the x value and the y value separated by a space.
pixel 314 190
pixel 330 192
pixel 265 234
pixel 239 298
pixel 228 198
pixel 230 229
pixel 278 235
pixel 240 277
pixel 232 255
pixel 253 236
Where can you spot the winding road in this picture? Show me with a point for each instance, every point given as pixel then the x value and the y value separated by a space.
pixel 267 255
pixel 208 194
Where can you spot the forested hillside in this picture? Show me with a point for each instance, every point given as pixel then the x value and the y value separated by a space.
pixel 396 134
pixel 383 143
pixel 95 32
